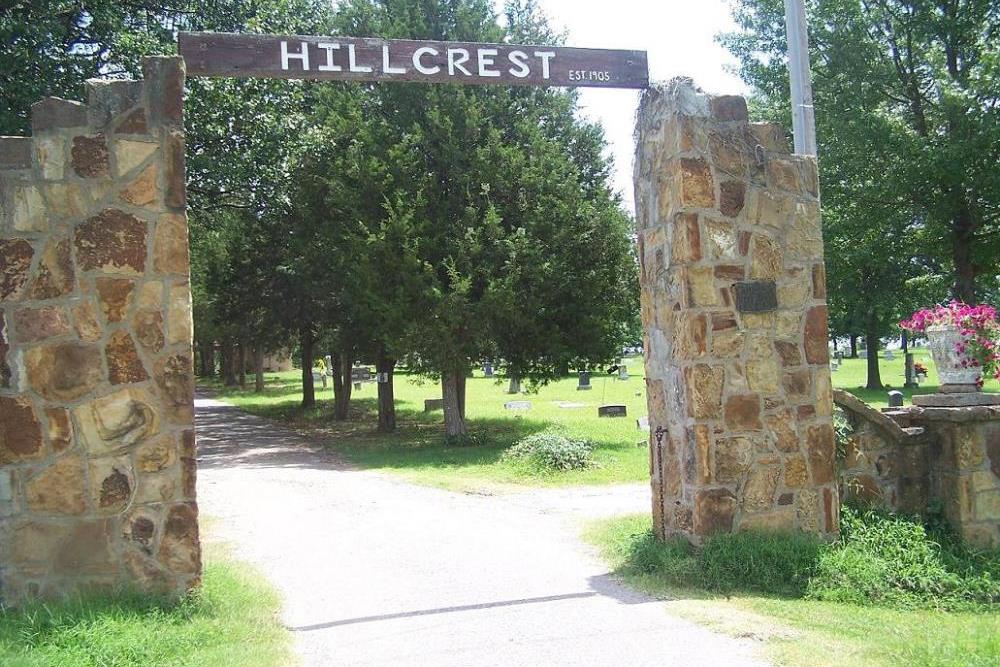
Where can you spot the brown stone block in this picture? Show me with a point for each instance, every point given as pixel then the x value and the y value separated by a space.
pixel 744 243
pixel 90 156
pixel 808 174
pixel 112 242
pixel 796 473
pixel 115 296
pixel 771 136
pixel 781 519
pixel 732 197
pixel 163 78
pixel 816 339
pixel 724 321
pixel 703 387
pixel 730 272
pixel 58 489
pixel 188 446
pixel 691 336
pixel 15 261
pixel 176 196
pixel 820 445
pixel 180 550
pixel 124 365
pixel 729 108
pixel 108 99
pixel 732 459
pixel 86 550
pixel 112 484
pixel 806 412
pixel 60 428
pixel 20 431
pixel 175 378
pixel 170 245
pixel 727 343
pixel 32 325
pixel 133 123
pixel 819 281
pixel 864 490
pixel 52 113
pixel 783 428
pixel 789 353
pixel 729 151
pixel 697 184
pixel 64 371
pixel 831 511
pixel 5 371
pixel 55 276
pixel 743 412
pixel 85 322
pixel 759 490
pixel 686 246
pixel 797 384
pixel 32 546
pixel 782 173
pixel 713 511
pixel 148 327
pixel 15 152
pixel 143 190
pixel 700 447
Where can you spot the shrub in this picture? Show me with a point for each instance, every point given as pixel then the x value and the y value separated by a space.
pixel 551 451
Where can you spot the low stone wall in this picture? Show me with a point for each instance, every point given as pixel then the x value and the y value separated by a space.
pixel 97 449
pixel 734 312
pixel 904 460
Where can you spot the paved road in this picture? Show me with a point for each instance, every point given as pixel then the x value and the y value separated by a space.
pixel 376 571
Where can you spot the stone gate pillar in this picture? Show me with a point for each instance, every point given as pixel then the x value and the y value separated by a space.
pixel 97 451
pixel 734 310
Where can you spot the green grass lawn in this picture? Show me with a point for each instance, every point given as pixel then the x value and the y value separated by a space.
pixel 231 622
pixel 804 632
pixel 417 450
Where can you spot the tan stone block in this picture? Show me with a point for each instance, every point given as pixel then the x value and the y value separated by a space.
pixel 179 322
pixel 64 371
pixel 156 455
pixel 86 550
pixel 124 364
pixel 32 325
pixel 143 190
pixel 968 446
pixel 729 150
pixel 713 512
pixel 148 327
pixel 27 209
pixel 819 281
pixel 702 445
pixel 15 261
pixel 831 511
pixel 743 412
pixel 723 241
pixel 727 343
pixel 170 248
pixel 51 154
pixel 130 154
pixel 60 430
pixel 824 392
pixel 761 485
pixel 758 321
pixel 85 322
pixel 65 200
pixel 693 134
pixel 120 420
pixel 984 480
pixel 180 551
pixel 115 296
pixel 796 473
pixel 763 376
pixel 987 506
pixel 782 173
pixel 175 378
pixel 697 184
pixel 765 258
pixel 807 510
pixel 782 426
pixel 20 431
pixel 33 546
pixel 151 295
pixel 112 484
pixel 55 276
pixel 160 487
pixel 112 242
pixel 691 335
pixel 794 294
pixel 685 247
pixel 788 324
pixel 820 445
pixel 703 385
pixel 773 210
pixel 731 459
pixel 701 284
pixel 778 520
pixel 58 489
pixel 804 239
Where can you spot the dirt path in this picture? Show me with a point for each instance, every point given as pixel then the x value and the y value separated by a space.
pixel 377 571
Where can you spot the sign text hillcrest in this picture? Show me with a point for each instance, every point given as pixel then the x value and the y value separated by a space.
pixel 364 59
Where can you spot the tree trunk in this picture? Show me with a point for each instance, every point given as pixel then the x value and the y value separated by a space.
pixel 854 346
pixel 514 386
pixel 963 229
pixel 386 400
pixel 228 364
pixel 342 386
pixel 206 361
pixel 904 341
pixel 258 368
pixel 871 342
pixel 308 390
pixel 241 373
pixel 454 417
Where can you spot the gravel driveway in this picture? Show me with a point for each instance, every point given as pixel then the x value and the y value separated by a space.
pixel 377 571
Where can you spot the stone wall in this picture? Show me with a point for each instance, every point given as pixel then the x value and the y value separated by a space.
pixel 97 451
pixel 739 393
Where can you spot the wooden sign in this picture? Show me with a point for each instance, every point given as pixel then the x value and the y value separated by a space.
pixel 368 59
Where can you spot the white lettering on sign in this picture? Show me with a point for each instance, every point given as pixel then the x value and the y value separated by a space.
pixel 419 66
pixel 585 75
pixel 457 58
pixel 302 55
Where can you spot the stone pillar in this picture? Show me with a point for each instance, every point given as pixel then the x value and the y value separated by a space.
pixel 734 311
pixel 97 449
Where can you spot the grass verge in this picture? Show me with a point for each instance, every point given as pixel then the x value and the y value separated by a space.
pixel 760 586
pixel 230 622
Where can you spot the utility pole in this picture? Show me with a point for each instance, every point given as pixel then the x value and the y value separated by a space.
pixel 803 116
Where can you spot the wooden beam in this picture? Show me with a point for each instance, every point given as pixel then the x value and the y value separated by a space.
pixel 368 59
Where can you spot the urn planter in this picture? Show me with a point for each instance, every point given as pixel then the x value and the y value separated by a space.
pixel 942 340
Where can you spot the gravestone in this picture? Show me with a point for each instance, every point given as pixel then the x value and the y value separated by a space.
pixel 488 370
pixel 889 356
pixel 612 411
pixel 895 399
pixel 642 423
pixel 622 370
pixel 517 405
pixel 432 404
pixel 584 381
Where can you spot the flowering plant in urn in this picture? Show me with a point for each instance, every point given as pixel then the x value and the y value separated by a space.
pixel 964 340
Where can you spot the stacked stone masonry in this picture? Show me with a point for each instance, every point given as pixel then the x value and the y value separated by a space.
pixel 97 449
pixel 740 403
pixel 912 459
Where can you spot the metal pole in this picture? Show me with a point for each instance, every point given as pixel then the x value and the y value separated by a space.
pixel 803 117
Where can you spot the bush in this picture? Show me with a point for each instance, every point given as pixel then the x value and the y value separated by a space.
pixel 551 451
pixel 894 561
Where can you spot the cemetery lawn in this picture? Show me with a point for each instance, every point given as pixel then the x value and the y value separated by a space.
pixel 232 622
pixel 797 631
pixel 418 453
